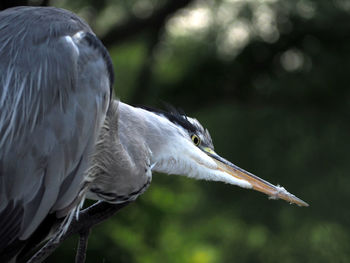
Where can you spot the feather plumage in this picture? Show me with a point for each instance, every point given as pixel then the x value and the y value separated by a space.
pixel 53 102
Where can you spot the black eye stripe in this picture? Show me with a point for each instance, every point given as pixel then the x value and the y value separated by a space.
pixel 175 116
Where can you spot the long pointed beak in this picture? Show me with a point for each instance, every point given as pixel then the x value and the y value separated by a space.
pixel 258 184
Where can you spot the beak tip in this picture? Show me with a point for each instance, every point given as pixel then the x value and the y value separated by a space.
pixel 282 193
pixel 302 203
pixel 295 200
pixel 292 199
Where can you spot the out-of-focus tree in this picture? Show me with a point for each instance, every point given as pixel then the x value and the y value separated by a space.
pixel 270 80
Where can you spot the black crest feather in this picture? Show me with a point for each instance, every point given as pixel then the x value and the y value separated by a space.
pixel 174 115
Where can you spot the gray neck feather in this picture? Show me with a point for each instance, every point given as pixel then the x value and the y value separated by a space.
pixel 129 141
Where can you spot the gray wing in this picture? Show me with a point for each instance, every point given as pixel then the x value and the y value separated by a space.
pixel 54 93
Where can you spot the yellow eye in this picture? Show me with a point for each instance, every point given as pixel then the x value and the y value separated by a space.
pixel 196 139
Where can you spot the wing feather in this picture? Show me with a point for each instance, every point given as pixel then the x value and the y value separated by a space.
pixel 54 95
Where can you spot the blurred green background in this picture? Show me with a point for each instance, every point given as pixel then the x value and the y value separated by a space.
pixel 270 80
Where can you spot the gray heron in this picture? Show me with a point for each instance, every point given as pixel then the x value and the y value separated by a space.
pixel 63 138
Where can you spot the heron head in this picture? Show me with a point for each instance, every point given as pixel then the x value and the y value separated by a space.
pixel 189 151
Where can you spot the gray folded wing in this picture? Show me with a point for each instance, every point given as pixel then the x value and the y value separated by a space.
pixel 54 93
